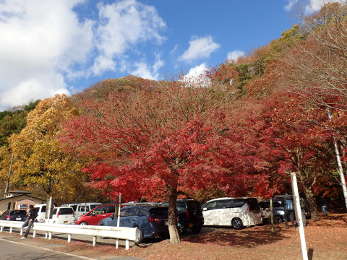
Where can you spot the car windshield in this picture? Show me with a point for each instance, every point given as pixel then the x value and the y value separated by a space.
pixel 159 212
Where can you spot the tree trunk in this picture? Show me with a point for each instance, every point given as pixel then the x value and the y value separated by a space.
pixel 311 203
pixel 172 221
pixel 49 207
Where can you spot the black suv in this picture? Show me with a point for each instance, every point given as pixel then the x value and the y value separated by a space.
pixel 14 215
pixel 189 216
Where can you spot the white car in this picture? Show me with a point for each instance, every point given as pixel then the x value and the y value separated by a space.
pixel 62 215
pixel 41 212
pixel 82 208
pixel 235 212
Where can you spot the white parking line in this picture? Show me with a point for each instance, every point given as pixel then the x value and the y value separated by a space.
pixel 46 249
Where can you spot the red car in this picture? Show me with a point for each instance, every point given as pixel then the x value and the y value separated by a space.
pixel 94 216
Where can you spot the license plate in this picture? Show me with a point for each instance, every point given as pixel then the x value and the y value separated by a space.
pixel 18 218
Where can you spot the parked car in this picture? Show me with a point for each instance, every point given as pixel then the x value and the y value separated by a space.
pixel 14 215
pixel 72 205
pixel 82 208
pixel 151 220
pixel 283 209
pixel 41 212
pixel 190 218
pixel 265 210
pixel 235 212
pixel 62 215
pixel 190 215
pixel 94 216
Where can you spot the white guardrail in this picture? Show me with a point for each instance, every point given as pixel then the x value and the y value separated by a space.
pixel 118 233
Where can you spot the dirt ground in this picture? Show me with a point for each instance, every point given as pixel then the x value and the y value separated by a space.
pixel 326 240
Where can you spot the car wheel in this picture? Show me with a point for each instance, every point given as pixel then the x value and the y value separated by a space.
pixel 83 223
pixel 237 223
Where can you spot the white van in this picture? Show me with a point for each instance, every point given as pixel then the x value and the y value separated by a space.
pixel 82 208
pixel 41 212
pixel 62 215
pixel 235 212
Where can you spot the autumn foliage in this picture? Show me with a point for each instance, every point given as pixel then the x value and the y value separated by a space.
pixel 263 117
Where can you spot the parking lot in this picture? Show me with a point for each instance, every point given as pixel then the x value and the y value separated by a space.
pixel 326 239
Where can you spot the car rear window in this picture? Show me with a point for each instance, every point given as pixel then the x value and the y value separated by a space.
pixel 194 206
pixel 181 205
pixel 66 211
pixel 18 212
pixel 159 212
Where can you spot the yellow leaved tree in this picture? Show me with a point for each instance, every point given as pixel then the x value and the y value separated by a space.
pixel 39 162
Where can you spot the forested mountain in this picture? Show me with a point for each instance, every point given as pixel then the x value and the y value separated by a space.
pixel 281 109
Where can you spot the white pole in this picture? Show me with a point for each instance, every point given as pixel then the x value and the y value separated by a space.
pixel 119 203
pixel 339 164
pixel 298 214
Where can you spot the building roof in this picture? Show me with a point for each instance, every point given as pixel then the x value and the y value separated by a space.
pixel 22 195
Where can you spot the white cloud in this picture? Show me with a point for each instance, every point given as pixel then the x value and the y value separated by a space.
pixel 148 72
pixel 197 76
pixel 38 44
pixel 200 48
pixel 290 4
pixel 311 6
pixel 43 41
pixel 125 23
pixel 316 5
pixel 234 55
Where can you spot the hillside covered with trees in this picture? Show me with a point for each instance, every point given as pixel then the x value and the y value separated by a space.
pixel 280 109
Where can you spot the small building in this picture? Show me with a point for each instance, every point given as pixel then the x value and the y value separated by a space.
pixel 18 200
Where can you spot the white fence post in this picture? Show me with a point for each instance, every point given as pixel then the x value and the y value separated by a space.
pixel 298 214
pixel 69 238
pixel 94 241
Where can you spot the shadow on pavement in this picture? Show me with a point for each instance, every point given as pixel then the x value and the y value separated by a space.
pixel 248 237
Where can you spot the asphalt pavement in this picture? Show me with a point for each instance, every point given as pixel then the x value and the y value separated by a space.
pixel 12 250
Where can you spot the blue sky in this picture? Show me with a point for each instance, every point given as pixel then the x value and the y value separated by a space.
pixel 64 46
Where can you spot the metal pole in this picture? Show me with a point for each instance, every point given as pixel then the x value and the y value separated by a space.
pixel 298 214
pixel 119 203
pixel 272 216
pixel 339 164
